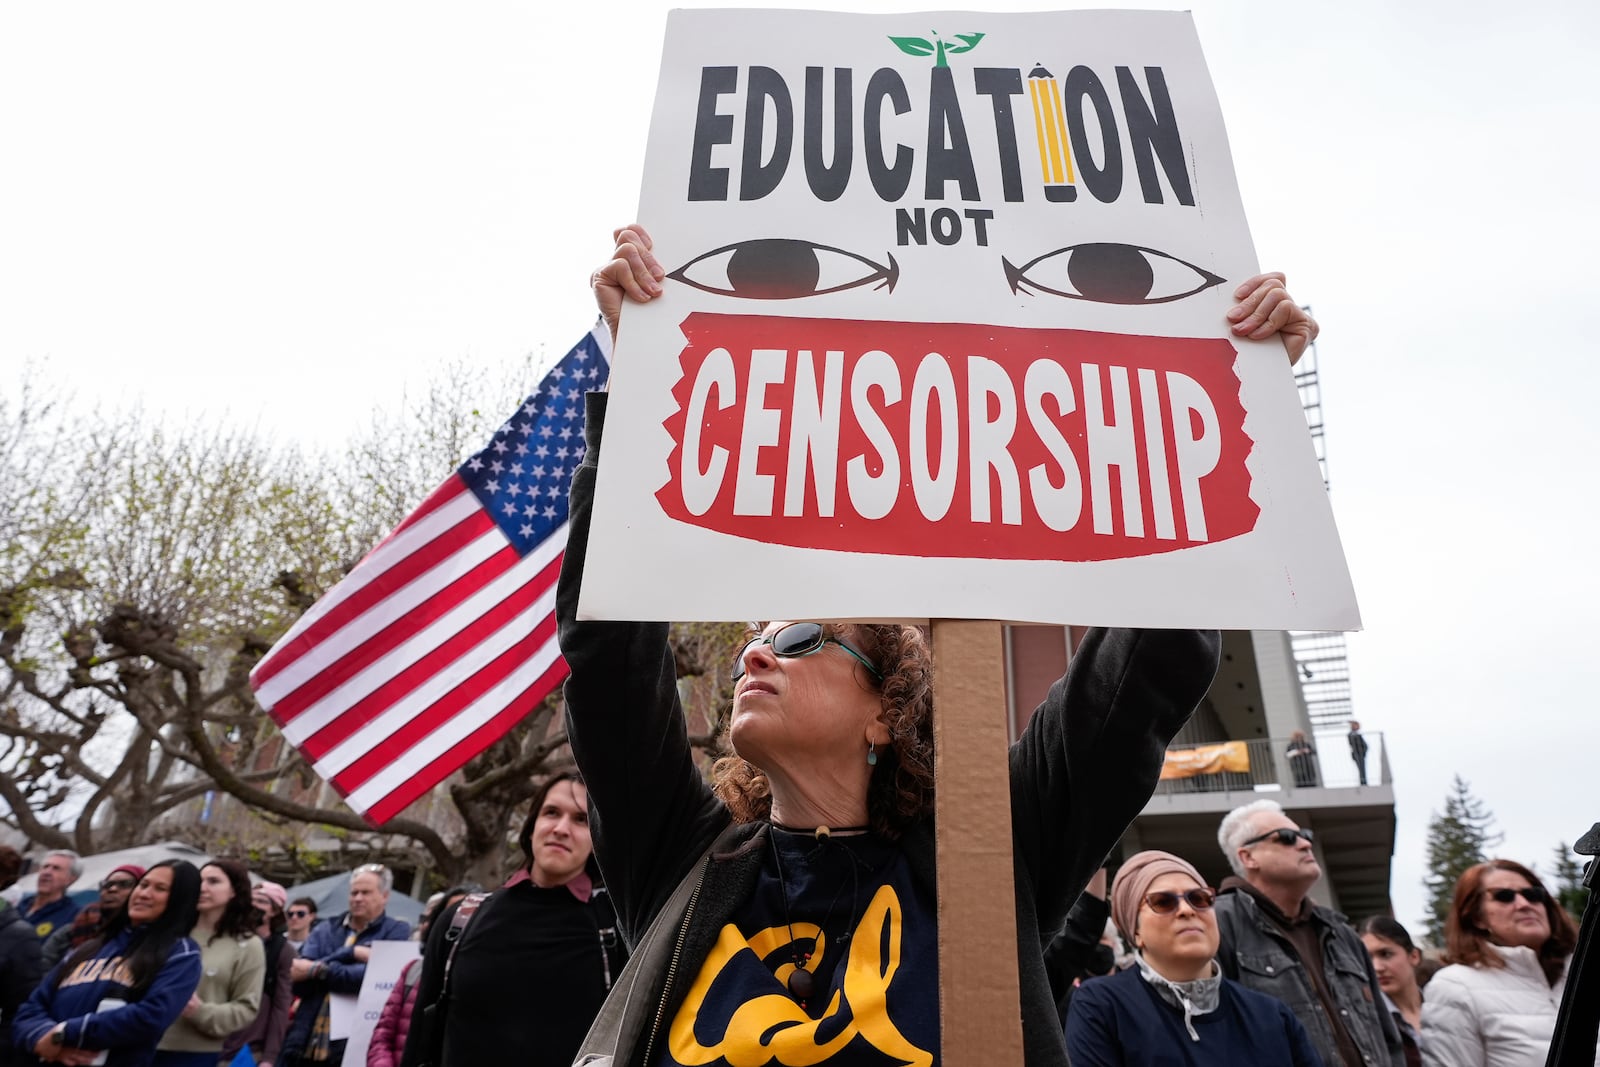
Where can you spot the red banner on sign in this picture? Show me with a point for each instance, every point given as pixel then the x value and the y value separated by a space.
pixel 950 440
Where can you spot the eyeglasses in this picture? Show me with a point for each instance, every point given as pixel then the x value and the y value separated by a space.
pixel 1532 894
pixel 1165 902
pixel 298 913
pixel 1282 835
pixel 118 883
pixel 796 640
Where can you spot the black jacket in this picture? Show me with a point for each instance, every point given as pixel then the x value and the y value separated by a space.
pixel 1076 781
pixel 21 967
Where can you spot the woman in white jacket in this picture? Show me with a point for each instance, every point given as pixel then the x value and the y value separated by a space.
pixel 1508 945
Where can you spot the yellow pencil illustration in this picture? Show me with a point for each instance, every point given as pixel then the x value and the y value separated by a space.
pixel 1050 123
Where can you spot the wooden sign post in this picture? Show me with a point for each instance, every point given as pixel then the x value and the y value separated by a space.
pixel 980 1016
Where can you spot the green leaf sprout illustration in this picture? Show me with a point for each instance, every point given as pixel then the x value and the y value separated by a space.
pixel 921 46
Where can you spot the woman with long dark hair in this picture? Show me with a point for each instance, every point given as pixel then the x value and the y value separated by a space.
pixel 1394 963
pixel 121 991
pixel 264 1033
pixel 233 969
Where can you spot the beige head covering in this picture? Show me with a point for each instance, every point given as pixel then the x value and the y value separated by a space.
pixel 1133 882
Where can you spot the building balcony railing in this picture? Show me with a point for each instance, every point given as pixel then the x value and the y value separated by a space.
pixel 1270 764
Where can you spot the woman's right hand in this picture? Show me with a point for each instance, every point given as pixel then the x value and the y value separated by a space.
pixel 46 1049
pixel 633 270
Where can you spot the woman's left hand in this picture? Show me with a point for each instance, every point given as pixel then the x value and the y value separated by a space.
pixel 1266 308
pixel 193 1005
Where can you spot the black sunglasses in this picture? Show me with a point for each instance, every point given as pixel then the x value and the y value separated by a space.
pixel 298 913
pixel 1282 835
pixel 1532 894
pixel 795 640
pixel 1165 902
pixel 117 883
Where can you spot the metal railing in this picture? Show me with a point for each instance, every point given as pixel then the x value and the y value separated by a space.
pixel 1267 765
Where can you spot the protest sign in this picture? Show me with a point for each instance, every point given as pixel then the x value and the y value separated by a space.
pixel 943 336
pixel 355 1017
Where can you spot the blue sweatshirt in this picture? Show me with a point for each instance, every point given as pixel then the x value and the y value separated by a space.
pixel 129 1032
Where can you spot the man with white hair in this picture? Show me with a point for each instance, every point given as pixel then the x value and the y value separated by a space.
pixel 1276 941
pixel 334 960
pixel 48 907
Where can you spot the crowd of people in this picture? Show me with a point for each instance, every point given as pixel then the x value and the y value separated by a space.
pixel 184 966
pixel 1257 972
pixel 784 911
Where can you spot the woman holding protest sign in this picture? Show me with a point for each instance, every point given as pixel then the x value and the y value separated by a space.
pixel 796 894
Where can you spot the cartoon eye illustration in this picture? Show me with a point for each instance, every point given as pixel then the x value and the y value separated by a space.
pixel 1110 273
pixel 778 268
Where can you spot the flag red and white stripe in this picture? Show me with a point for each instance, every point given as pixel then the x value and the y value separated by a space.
pixel 444 636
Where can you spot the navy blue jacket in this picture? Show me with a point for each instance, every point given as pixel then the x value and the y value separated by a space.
pixel 50 918
pixel 326 945
pixel 129 1032
pixel 1120 1021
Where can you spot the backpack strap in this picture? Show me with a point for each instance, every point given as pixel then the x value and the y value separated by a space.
pixel 458 924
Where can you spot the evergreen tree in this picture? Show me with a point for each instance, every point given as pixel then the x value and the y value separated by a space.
pixel 1457 839
pixel 1567 882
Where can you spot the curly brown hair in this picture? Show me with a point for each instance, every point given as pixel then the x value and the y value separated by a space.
pixel 901 790
pixel 1466 937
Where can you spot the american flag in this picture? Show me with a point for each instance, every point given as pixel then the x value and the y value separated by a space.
pixel 444 636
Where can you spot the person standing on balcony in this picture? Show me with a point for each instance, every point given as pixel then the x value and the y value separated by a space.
pixel 1276 941
pixel 1358 750
pixel 1302 759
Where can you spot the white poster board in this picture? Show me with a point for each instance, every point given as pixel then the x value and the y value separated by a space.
pixel 943 336
pixel 353 1018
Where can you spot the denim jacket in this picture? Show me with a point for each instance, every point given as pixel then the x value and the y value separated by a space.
pixel 1257 955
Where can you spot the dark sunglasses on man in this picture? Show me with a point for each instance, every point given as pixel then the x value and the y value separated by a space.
pixel 298 913
pixel 1282 835
pixel 1532 894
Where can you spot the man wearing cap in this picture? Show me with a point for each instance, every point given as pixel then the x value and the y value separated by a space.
pixel 49 907
pixel 20 965
pixel 1276 941
pixel 114 891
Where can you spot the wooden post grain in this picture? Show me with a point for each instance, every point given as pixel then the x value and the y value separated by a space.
pixel 979 1004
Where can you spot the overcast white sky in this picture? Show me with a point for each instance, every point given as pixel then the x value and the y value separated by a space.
pixel 286 212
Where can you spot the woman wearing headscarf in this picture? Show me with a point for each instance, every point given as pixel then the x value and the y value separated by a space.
pixel 1508 943
pixel 1174 1006
pixel 533 964
pixel 233 970
pixel 119 993
pixel 808 931
pixel 1394 963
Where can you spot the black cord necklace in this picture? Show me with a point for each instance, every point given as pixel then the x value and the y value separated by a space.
pixel 822 833
pixel 801 983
